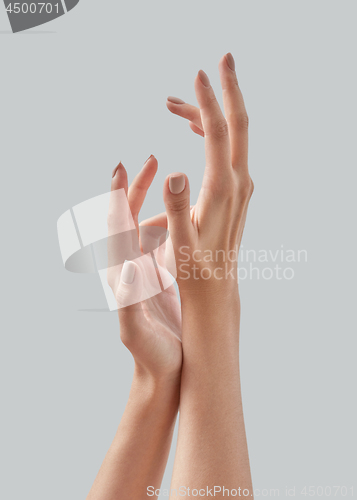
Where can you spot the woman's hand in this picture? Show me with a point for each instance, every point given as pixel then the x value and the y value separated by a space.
pixel 211 448
pixel 150 328
pixel 206 238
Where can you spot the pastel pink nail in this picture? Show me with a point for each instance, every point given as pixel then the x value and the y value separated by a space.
pixel 177 183
pixel 116 169
pixel 175 100
pixel 230 61
pixel 128 272
pixel 204 78
pixel 151 156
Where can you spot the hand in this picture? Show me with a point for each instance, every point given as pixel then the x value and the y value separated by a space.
pixel 211 231
pixel 211 446
pixel 151 328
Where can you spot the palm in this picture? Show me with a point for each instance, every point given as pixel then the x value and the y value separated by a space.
pixel 153 331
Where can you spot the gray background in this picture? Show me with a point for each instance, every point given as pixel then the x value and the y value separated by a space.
pixel 87 90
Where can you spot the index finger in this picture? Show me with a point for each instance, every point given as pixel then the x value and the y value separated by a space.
pixel 218 160
pixel 140 185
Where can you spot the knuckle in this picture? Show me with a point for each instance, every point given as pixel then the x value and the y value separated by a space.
pixel 211 100
pixel 234 81
pixel 245 187
pixel 219 129
pixel 177 206
pixel 231 83
pixel 243 121
pixel 240 121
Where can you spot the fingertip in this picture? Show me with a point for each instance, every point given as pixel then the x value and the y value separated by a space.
pixel 151 163
pixel 172 107
pixel 227 63
pixel 176 183
pixel 128 272
pixel 203 78
pixel 119 178
pixel 129 291
pixel 175 100
pixel 150 159
pixel 117 169
pixel 230 61
pixel 147 173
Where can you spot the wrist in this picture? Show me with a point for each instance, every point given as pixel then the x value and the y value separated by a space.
pixel 153 384
pixel 210 325
pixel 208 287
pixel 213 300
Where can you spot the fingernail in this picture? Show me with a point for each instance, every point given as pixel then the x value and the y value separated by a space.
pixel 116 169
pixel 151 156
pixel 175 100
pixel 204 78
pixel 128 272
pixel 177 183
pixel 230 61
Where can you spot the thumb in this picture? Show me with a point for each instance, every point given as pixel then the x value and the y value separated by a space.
pixel 177 203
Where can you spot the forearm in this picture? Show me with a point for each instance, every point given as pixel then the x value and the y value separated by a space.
pixel 212 449
pixel 138 454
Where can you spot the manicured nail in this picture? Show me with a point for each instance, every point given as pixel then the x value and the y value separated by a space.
pixel 151 156
pixel 230 61
pixel 116 169
pixel 175 100
pixel 177 183
pixel 204 78
pixel 128 272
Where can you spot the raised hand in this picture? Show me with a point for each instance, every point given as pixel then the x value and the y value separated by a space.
pixel 151 327
pixel 215 224
pixel 212 448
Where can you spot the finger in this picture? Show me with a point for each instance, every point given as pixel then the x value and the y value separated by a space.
pixel 119 216
pixel 159 220
pixel 140 185
pixel 196 130
pixel 235 112
pixel 119 178
pixel 181 108
pixel 218 161
pixel 177 203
